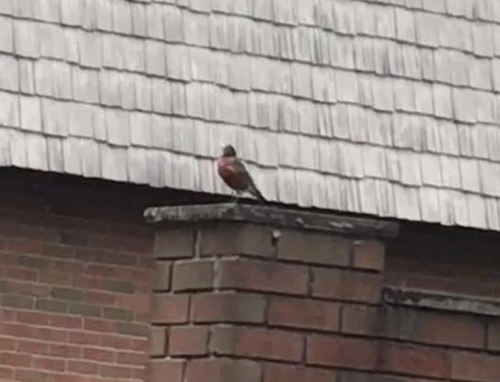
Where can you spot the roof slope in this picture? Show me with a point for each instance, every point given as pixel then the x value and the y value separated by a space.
pixel 387 107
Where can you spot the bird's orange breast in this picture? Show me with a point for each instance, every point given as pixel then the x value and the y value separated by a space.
pixel 228 171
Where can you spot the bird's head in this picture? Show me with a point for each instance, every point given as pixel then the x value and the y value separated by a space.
pixel 228 151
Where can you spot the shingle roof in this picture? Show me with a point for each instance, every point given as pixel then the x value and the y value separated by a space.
pixel 383 107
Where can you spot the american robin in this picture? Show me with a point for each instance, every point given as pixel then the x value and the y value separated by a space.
pixel 235 175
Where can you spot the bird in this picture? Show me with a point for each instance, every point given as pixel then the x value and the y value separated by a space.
pixel 235 175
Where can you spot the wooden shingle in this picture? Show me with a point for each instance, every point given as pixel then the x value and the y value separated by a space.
pixel 381 107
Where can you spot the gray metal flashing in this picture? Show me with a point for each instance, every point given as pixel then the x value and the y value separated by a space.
pixel 441 301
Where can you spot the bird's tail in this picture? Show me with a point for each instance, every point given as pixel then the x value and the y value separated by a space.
pixel 255 192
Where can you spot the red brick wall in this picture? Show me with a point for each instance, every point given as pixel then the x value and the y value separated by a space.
pixel 234 304
pixel 75 282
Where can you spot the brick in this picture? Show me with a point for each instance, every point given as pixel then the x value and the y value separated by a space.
pixel 353 376
pixel 137 329
pixel 115 371
pixel 21 274
pixel 256 342
pixel 236 239
pixel 341 352
pixel 467 366
pixel 65 351
pixel 93 325
pixel 306 314
pixel 138 303
pixel 17 301
pixel 17 330
pixel 399 323
pixel 448 329
pixel 7 343
pixel 132 358
pixel 15 359
pixel 410 325
pixel 118 314
pixel 52 364
pixel 120 286
pixel 193 275
pixel 140 344
pixel 74 238
pixel 223 370
pixel 170 309
pixel 63 377
pixel 187 341
pixel 99 354
pixel 58 251
pixel 31 247
pixel 119 243
pixel 86 310
pixel 161 277
pixel 100 298
pixel 385 321
pixel 346 285
pixel 290 373
pixel 369 255
pixel 70 294
pixel 83 367
pixel 23 288
pixel 314 248
pixel 49 334
pixel 51 305
pixel 262 276
pixel 65 321
pixel 26 375
pixel 228 307
pixel 361 320
pixel 158 341
pixel 32 317
pixel 6 373
pixel 493 340
pixel 115 341
pixel 55 277
pixel 5 286
pixel 7 315
pixel 165 370
pixel 414 360
pixel 139 373
pixel 32 261
pixel 33 347
pixel 174 243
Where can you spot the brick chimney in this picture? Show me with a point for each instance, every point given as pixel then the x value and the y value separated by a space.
pixel 252 293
